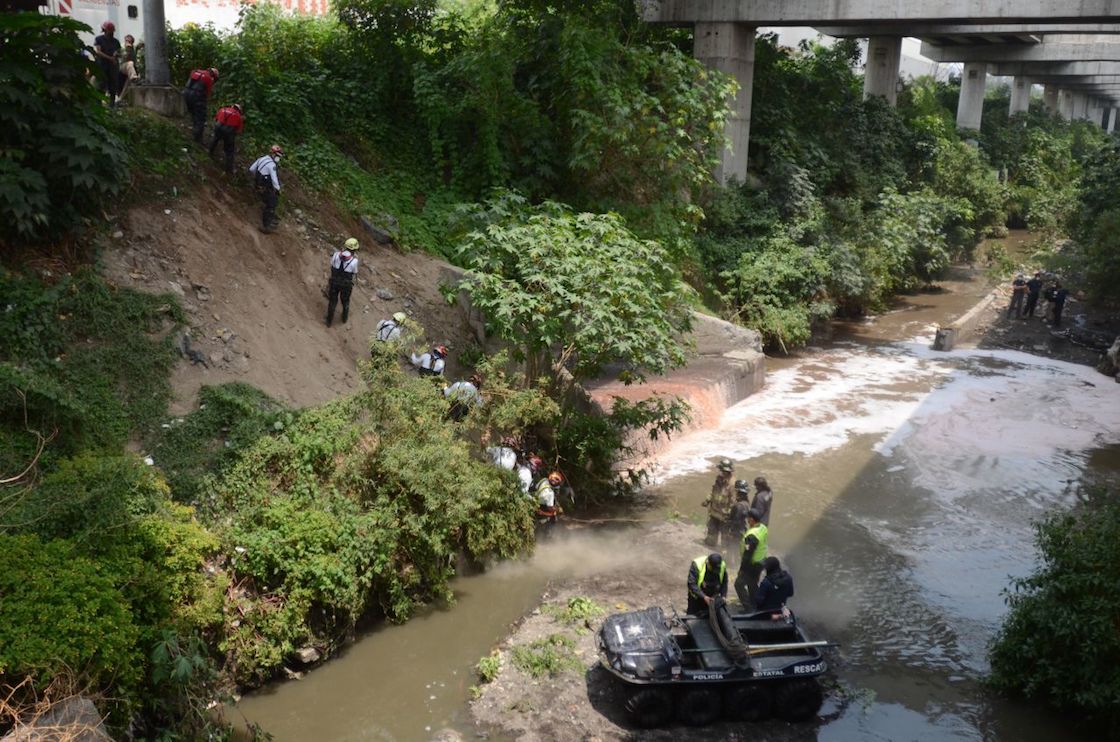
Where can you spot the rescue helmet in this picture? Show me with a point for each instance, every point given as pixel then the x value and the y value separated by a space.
pixel 276 150
pixel 440 350
pixel 214 72
pixel 771 564
pixel 399 317
pixel 237 107
pixel 351 244
pixel 555 478
pixel 108 27
pixel 725 465
pixel 536 463
pixel 741 486
pixel 754 515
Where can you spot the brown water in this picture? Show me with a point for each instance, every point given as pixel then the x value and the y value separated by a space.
pixel 906 485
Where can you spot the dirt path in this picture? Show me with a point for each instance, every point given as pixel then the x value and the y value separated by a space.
pixel 255 303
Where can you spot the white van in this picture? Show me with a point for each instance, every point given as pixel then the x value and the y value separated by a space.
pixel 126 15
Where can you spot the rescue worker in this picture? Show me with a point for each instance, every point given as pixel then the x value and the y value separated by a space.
pixel 267 183
pixel 737 520
pixel 763 497
pixel 1018 294
pixel 197 96
pixel 464 396
pixel 1058 296
pixel 390 329
pixel 430 363
pixel 776 587
pixel 719 505
pixel 106 49
pixel 228 123
pixel 344 266
pixel 707 579
pixel 750 565
pixel 547 510
pixel 1034 288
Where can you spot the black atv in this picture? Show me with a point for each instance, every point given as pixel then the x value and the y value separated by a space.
pixel 748 666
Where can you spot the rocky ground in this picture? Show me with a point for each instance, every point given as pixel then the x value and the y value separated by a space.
pixel 1079 340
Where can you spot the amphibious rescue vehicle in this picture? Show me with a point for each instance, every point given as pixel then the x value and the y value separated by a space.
pixel 746 667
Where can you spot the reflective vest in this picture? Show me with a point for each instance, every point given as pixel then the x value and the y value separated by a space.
pixel 701 563
pixel 759 532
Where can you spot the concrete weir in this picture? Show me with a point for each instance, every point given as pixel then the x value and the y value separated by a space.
pixel 963 329
pixel 726 366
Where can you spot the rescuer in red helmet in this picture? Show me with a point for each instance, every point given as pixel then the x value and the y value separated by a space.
pixel 197 96
pixel 227 125
pixel 106 48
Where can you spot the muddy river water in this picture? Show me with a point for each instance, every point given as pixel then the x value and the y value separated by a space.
pixel 906 484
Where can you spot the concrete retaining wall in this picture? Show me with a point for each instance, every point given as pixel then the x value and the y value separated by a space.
pixel 727 366
pixel 963 329
pixel 167 101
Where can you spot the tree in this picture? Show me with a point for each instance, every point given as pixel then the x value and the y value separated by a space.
pixel 575 291
pixel 57 159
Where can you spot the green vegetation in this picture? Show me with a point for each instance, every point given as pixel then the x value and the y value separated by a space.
pixel 580 141
pixel 489 666
pixel 550 656
pixel 579 611
pixel 1059 645
pixel 58 160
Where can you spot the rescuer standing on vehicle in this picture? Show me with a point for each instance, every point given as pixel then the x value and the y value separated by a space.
pixel 197 96
pixel 267 183
pixel 707 579
pixel 750 565
pixel 719 505
pixel 227 125
pixel 776 587
pixel 344 266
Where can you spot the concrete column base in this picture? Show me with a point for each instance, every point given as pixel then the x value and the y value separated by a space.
pixel 1020 95
pixel 164 100
pixel 970 108
pixel 880 76
pixel 1065 104
pixel 729 48
pixel 1050 98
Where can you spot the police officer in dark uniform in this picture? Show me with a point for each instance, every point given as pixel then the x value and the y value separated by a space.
pixel 707 578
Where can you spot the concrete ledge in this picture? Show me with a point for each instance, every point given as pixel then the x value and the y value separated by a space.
pixel 167 101
pixel 728 366
pixel 963 329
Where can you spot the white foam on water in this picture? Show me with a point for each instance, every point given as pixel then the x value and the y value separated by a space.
pixel 953 414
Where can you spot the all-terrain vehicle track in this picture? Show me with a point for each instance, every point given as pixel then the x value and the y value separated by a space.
pixel 746 667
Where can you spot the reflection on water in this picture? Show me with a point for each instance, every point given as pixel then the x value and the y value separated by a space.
pixel 907 483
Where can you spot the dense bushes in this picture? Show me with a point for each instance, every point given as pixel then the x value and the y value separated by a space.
pixel 1059 645
pixel 58 159
pixel 362 504
pixel 843 221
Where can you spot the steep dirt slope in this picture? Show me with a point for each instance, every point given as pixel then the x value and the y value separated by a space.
pixel 255 302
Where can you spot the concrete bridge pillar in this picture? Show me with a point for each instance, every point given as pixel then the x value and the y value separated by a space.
pixel 970 108
pixel 1050 98
pixel 157 68
pixel 729 48
pixel 1112 120
pixel 1020 94
pixel 1065 104
pixel 880 76
pixel 1080 106
pixel 1093 112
